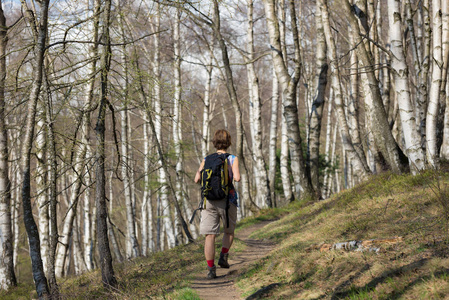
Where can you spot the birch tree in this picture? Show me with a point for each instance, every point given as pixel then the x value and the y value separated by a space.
pixel 348 147
pixel 42 184
pixel 230 85
pixel 444 152
pixel 289 88
pixel 284 154
pixel 81 174
pixel 132 246
pixel 165 213
pixel 40 36
pixel 178 128
pixel 52 189
pixel 205 141
pixel 107 272
pixel 7 275
pixel 272 158
pixel 434 93
pixel 177 118
pixel 327 154
pixel 424 47
pixel 263 187
pixel 88 224
pixel 353 103
pixel 147 210
pixel 384 139
pixel 318 102
pixel 400 75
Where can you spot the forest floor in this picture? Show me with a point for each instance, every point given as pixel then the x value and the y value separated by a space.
pixel 387 238
pixel 223 287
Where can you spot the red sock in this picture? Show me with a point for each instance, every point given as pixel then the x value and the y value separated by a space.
pixel 210 263
pixel 224 250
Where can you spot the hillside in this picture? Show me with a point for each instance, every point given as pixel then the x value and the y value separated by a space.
pixel 407 216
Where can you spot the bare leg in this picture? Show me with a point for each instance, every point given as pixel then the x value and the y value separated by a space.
pixel 228 238
pixel 209 246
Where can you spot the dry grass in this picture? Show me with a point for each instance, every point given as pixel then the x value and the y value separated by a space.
pixel 386 206
pixel 413 207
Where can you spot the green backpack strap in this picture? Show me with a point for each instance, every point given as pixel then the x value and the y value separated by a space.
pixel 205 184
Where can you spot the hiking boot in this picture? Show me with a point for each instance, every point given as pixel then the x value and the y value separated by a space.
pixel 223 261
pixel 212 272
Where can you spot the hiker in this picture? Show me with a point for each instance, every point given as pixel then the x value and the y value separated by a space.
pixel 224 209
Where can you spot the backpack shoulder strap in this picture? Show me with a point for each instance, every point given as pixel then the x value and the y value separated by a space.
pixel 226 172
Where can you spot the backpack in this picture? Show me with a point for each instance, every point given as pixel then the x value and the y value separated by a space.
pixel 215 177
pixel 215 183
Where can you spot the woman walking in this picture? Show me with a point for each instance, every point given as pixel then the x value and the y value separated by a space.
pixel 224 209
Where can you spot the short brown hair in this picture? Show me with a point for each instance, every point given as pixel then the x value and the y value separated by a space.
pixel 222 139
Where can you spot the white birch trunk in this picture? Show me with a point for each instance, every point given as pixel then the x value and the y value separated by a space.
pixel 80 266
pixel 206 110
pixel 146 200
pixel 336 85
pixel 177 125
pixel 67 229
pixel 289 88
pixel 273 137
pixel 16 177
pixel 325 187
pixel 413 41
pixel 422 103
pixel 434 94
pixel 261 175
pixel 353 105
pixel 16 221
pixel 147 208
pixel 444 151
pixel 7 275
pixel 384 139
pixel 386 85
pixel 400 73
pixel 132 247
pixel 87 219
pixel 165 213
pixel 42 195
pixel 383 71
pixel 333 175
pixel 78 179
pixel 285 173
pixel 150 239
pixel 319 84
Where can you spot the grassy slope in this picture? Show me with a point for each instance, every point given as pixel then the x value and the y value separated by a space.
pixel 385 206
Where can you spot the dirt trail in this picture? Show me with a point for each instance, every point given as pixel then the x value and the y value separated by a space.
pixel 223 287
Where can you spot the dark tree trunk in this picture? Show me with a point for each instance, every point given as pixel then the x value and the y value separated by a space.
pixel 30 225
pixel 107 271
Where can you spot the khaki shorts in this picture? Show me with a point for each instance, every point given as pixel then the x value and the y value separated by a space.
pixel 216 210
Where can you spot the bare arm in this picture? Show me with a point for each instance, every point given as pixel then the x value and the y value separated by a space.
pixel 235 170
pixel 198 173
